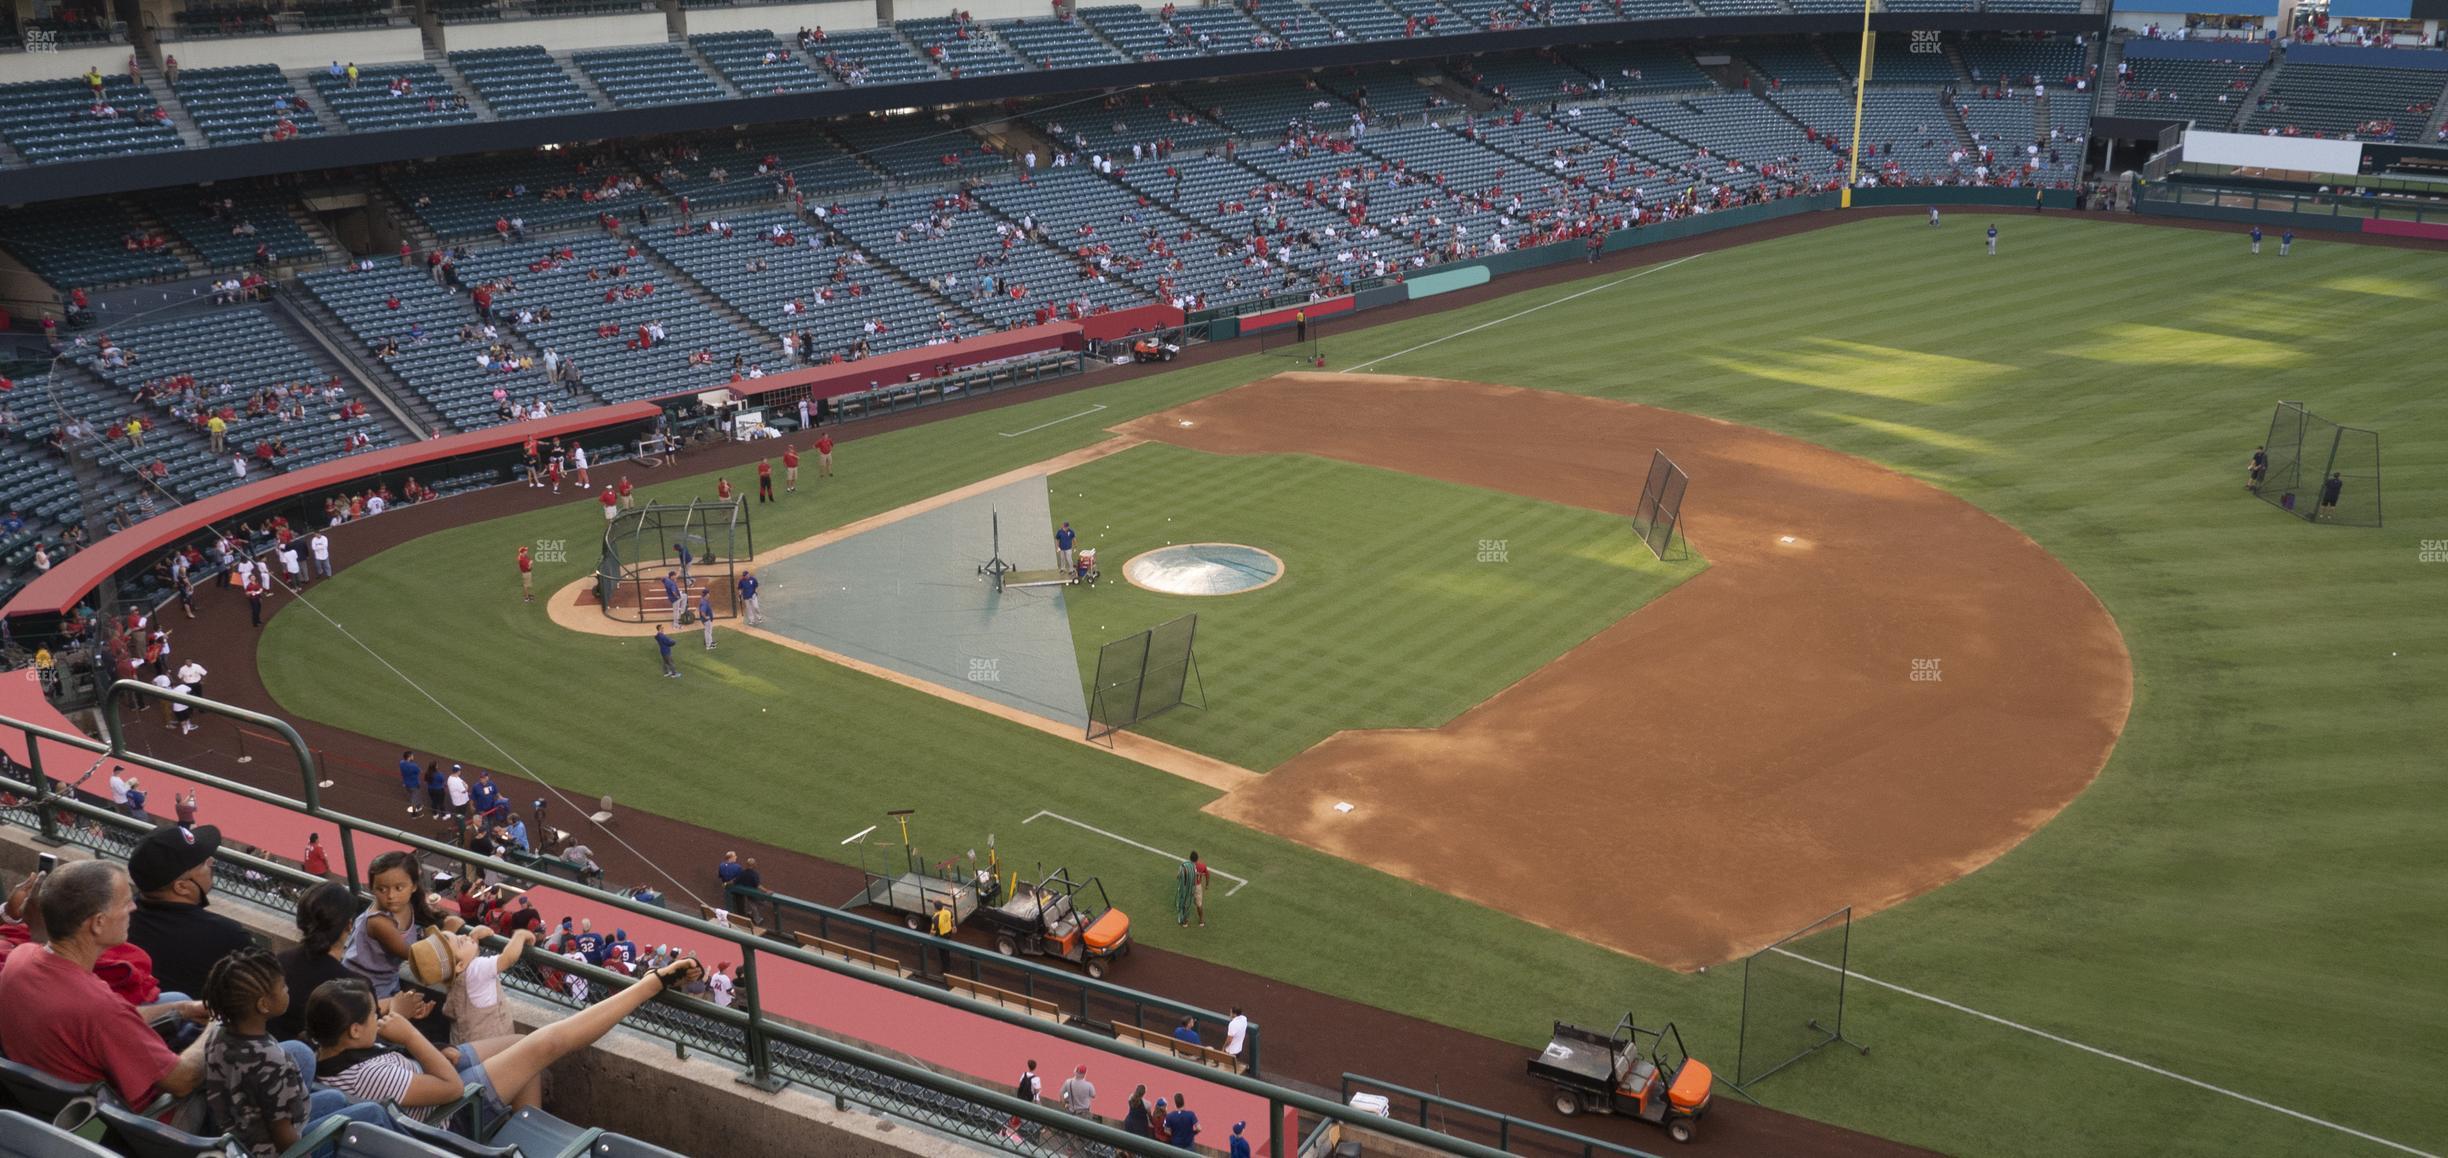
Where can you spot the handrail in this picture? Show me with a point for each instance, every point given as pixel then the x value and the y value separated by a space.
pixel 1506 1124
pixel 1001 1103
pixel 763 1030
pixel 1032 972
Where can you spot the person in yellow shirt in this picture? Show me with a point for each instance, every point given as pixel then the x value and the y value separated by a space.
pixel 220 430
pixel 135 433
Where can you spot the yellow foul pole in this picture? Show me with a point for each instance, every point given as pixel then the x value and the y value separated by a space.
pixel 1861 88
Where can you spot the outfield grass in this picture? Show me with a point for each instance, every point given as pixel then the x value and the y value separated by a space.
pixel 1389 614
pixel 2248 896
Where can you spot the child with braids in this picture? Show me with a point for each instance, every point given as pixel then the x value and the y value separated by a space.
pixel 348 1032
pixel 252 1088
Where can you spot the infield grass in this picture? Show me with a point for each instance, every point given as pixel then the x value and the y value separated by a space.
pixel 1403 602
pixel 2250 895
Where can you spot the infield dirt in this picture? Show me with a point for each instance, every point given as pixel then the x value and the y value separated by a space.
pixel 1874 689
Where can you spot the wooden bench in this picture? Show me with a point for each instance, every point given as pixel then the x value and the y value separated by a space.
pixel 1167 1044
pixel 979 991
pixel 733 920
pixel 841 952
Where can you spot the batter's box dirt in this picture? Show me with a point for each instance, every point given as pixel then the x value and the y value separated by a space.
pixel 1874 689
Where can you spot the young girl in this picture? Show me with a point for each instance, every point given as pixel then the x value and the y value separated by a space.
pixel 379 940
pixel 475 1003
pixel 345 1025
pixel 326 914
pixel 252 1088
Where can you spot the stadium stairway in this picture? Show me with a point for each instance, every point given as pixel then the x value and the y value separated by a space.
pixel 419 234
pixel 459 84
pixel 309 316
pixel 187 255
pixel 705 296
pixel 2439 119
pixel 691 51
pixel 2252 98
pixel 315 232
pixel 324 114
pixel 291 314
pixel 586 84
pixel 180 119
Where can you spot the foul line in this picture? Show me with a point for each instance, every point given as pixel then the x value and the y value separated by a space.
pixel 1056 422
pixel 2114 1057
pixel 1237 881
pixel 1523 314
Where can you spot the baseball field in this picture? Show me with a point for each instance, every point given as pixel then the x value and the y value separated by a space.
pixel 2151 866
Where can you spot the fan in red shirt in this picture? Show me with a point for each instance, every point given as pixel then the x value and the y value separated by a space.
pixel 824 456
pixel 722 489
pixel 765 480
pixel 790 469
pixel 624 492
pixel 315 861
pixel 526 566
pixel 611 505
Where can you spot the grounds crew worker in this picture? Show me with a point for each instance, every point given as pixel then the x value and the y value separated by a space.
pixel 941 924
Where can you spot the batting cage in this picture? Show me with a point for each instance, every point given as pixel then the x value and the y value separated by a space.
pixel 1143 676
pixel 643 545
pixel 1794 998
pixel 2320 471
pixel 1659 515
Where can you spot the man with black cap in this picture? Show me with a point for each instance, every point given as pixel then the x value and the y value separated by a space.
pixel 172 869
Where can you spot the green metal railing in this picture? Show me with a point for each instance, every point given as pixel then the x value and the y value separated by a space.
pixel 772 1051
pixel 1077 994
pixel 1513 1135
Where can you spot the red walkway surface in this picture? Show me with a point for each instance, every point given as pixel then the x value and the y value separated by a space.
pixel 990 1052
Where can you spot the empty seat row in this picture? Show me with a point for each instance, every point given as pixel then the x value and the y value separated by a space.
pixel 524 81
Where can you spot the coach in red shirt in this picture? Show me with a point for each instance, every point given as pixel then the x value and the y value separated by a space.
pixel 63 1020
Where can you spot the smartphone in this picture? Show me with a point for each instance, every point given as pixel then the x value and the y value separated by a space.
pixel 45 863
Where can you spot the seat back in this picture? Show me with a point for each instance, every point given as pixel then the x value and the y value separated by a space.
pixel 363 1141
pixel 143 1137
pixel 445 1141
pixel 25 1137
pixel 48 1098
pixel 624 1146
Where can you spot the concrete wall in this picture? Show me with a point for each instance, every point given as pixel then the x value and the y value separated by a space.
pixel 785 19
pixel 67 62
pixel 560 35
pixel 304 50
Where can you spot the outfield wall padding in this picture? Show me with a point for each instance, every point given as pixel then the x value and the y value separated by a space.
pixel 1965 195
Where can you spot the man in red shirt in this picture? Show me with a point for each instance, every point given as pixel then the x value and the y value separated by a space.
pixel 526 565
pixel 765 480
pixel 611 505
pixel 824 455
pixel 65 1021
pixel 722 489
pixel 790 468
pixel 316 861
pixel 626 500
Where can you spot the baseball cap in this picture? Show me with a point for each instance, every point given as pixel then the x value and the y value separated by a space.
pixel 168 853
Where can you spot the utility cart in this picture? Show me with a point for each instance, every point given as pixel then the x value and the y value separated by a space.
pixel 913 890
pixel 1060 917
pixel 1634 1071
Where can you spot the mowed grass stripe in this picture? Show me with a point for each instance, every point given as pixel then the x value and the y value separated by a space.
pixel 2248 895
pixel 1387 617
